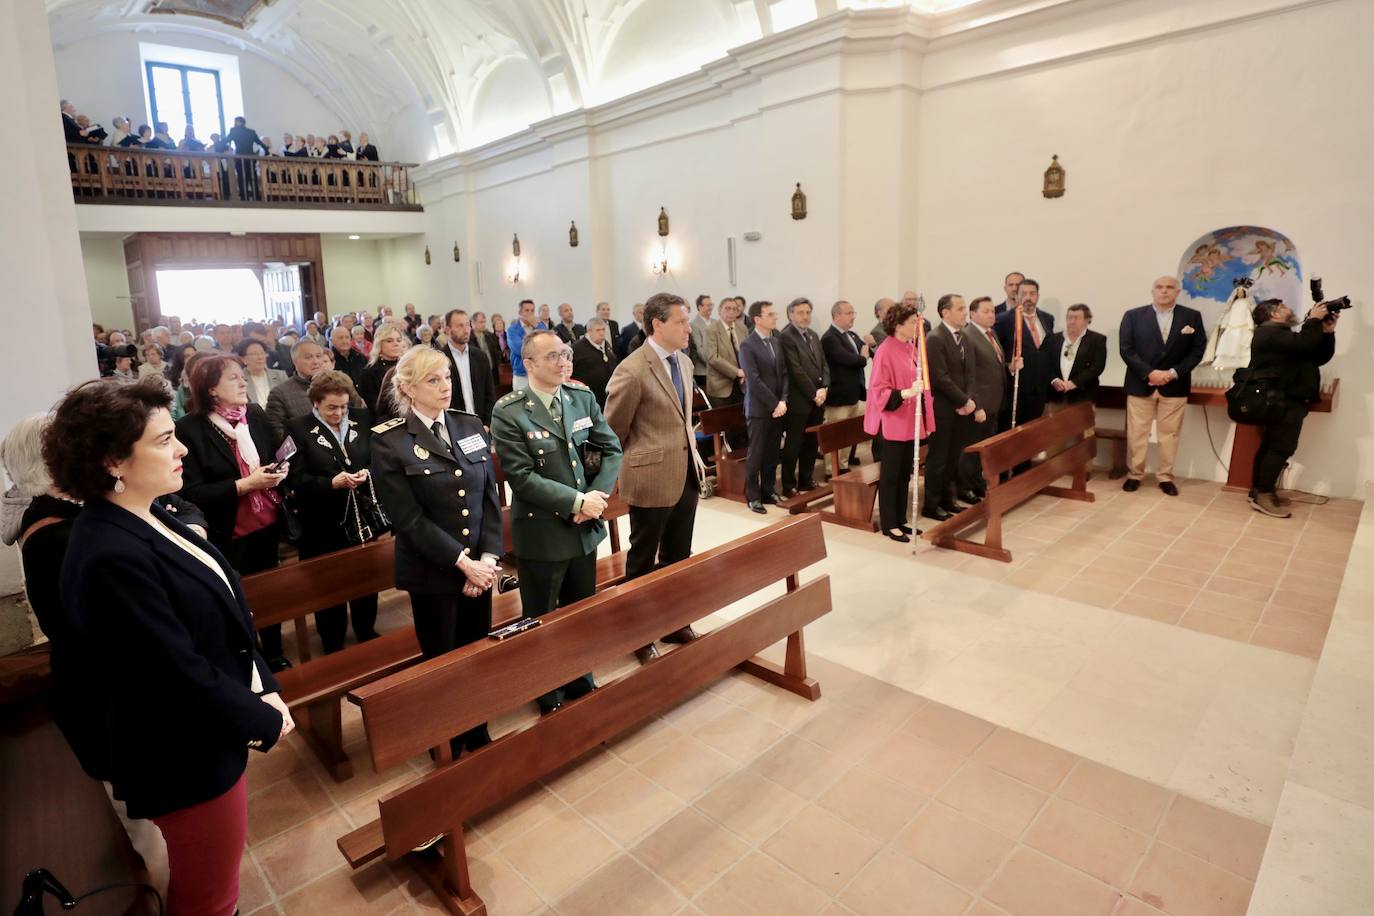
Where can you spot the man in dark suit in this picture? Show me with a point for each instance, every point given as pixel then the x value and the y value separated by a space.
pixel 1036 326
pixel 347 359
pixel 603 311
pixel 1161 344
pixel 243 139
pixel 1081 357
pixel 765 404
pixel 629 333
pixel 952 381
pixel 594 360
pixel 809 384
pixel 567 329
pixel 483 339
pixel 1009 285
pixel 991 379
pixel 469 369
pixel 846 353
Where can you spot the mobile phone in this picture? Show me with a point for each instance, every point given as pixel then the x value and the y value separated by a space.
pixel 514 629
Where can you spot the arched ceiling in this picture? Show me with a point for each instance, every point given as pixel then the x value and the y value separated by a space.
pixel 471 70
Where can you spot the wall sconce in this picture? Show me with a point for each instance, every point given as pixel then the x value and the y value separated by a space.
pixel 798 203
pixel 659 262
pixel 456 256
pixel 662 222
pixel 1054 179
pixel 515 245
pixel 513 270
pixel 427 258
pixel 572 235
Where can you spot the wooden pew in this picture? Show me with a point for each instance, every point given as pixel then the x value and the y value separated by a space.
pixel 716 423
pixel 422 707
pixel 314 689
pixel 851 490
pixel 1068 439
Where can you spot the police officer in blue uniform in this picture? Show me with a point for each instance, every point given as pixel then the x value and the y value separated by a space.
pixel 561 460
pixel 433 472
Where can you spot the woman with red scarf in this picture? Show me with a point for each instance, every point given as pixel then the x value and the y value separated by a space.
pixel 890 415
pixel 228 474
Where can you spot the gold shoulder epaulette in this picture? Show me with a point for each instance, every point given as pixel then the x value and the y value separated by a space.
pixel 389 424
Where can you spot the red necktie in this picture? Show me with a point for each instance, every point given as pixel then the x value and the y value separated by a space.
pixel 1034 322
pixel 992 339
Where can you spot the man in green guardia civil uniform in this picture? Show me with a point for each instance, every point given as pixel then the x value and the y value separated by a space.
pixel 561 460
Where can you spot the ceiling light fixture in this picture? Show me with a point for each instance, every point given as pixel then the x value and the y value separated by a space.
pixel 354 238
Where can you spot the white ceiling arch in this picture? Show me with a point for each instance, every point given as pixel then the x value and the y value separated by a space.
pixel 472 69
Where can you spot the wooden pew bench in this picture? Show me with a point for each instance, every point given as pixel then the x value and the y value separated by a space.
pixel 719 422
pixel 1117 439
pixel 1067 438
pixel 423 706
pixel 856 489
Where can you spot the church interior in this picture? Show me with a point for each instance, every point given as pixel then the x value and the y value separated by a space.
pixel 1087 691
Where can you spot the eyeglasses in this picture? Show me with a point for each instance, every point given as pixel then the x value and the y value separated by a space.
pixel 558 356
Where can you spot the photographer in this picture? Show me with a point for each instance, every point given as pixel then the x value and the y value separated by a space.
pixel 1294 358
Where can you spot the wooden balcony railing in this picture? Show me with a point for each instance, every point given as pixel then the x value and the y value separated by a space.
pixel 127 175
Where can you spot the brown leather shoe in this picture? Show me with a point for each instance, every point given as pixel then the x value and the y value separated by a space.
pixel 647 654
pixel 684 635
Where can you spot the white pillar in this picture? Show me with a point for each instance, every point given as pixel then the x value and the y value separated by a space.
pixel 45 315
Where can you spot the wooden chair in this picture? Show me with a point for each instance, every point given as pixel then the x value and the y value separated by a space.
pixel 717 423
pixel 1067 437
pixel 422 707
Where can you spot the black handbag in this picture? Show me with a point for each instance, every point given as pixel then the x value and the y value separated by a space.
pixel 364 519
pixel 1256 397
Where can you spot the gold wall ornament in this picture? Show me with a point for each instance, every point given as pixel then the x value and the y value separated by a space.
pixel 662 222
pixel 799 203
pixel 428 261
pixel 456 255
pixel 1054 179
pixel 515 245
pixel 572 234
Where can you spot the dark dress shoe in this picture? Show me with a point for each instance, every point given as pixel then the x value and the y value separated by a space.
pixel 789 492
pixel 1131 485
pixel 952 508
pixel 682 636
pixel 546 710
pixel 969 497
pixel 757 506
pixel 579 688
pixel 854 462
pixel 646 654
pixel 506 584
pixel 770 498
pixel 939 515
pixel 1168 487
pixel 475 739
pixel 806 487
pixel 368 637
pixel 906 529
pixel 899 538
pixel 278 664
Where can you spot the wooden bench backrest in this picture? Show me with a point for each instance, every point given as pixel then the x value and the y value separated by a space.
pixel 1052 434
pixel 838 435
pixel 298 589
pixel 425 705
pixel 719 420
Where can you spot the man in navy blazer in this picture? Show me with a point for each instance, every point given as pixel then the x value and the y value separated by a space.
pixel 765 404
pixel 1036 328
pixel 1161 344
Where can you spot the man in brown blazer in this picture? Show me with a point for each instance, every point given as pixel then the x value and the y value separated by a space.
pixel 649 407
pixel 724 377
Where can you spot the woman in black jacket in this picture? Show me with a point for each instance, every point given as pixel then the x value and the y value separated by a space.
pixel 231 476
pixel 333 452
pixel 158 621
pixel 439 489
pixel 387 346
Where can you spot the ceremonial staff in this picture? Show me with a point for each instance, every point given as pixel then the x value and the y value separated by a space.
pixel 1016 360
pixel 918 356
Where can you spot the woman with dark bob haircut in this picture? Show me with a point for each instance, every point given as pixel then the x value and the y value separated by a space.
pixel 179 693
pixel 890 416
pixel 230 474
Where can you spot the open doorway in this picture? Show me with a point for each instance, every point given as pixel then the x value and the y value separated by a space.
pixel 220 296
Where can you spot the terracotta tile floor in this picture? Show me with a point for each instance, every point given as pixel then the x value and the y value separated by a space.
pixel 746 799
pixel 1203 560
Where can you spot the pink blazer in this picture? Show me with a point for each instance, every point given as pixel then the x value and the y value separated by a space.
pixel 894 369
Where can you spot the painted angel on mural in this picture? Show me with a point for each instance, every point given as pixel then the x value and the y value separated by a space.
pixel 1209 260
pixel 1266 255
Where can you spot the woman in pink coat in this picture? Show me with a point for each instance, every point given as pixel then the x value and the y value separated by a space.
pixel 890 416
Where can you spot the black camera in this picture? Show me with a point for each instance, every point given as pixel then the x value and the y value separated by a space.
pixel 1335 305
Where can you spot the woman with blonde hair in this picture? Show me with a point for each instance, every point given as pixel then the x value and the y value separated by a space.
pixel 388 343
pixel 433 472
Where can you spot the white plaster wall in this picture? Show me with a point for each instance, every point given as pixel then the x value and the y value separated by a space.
pixel 107 280
pixel 353 278
pixel 1259 122
pixel 103 77
pixel 40 253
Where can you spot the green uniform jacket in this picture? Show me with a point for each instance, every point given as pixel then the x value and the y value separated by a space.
pixel 541 462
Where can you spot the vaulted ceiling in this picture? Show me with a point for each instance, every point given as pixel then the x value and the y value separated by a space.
pixel 469 71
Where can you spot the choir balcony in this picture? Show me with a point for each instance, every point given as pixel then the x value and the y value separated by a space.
pixel 111 175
